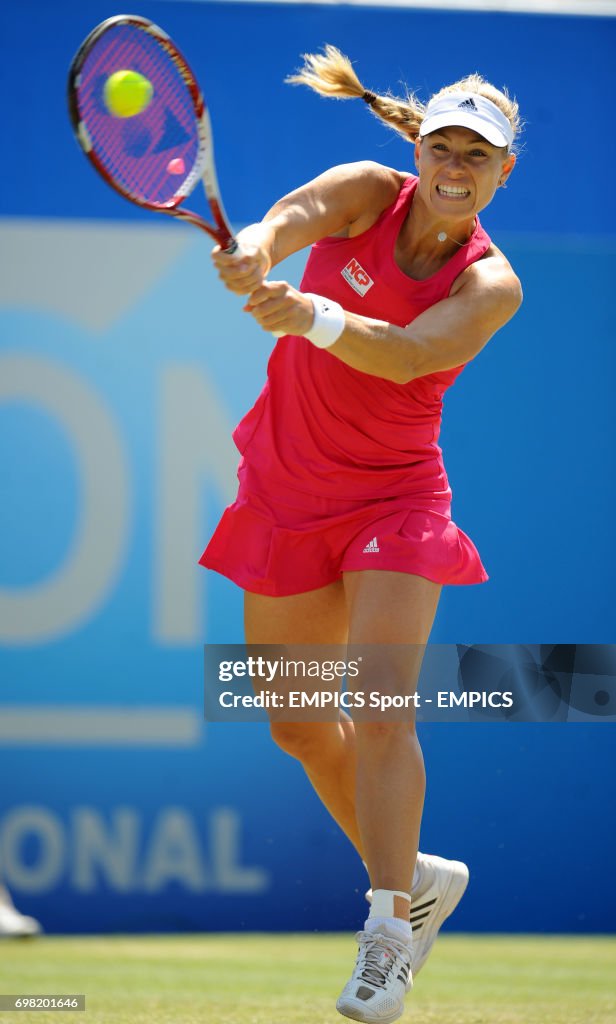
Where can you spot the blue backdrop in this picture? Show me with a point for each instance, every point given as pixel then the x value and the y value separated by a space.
pixel 123 368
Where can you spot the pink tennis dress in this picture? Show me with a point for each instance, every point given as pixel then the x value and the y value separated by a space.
pixel 341 470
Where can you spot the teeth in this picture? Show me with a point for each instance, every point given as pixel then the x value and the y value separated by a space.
pixel 452 190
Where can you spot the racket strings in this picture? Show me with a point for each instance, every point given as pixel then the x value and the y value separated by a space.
pixel 138 151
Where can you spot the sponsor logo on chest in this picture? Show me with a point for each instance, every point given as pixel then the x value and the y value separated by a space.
pixel 355 275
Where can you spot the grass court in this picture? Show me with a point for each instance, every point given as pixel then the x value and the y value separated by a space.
pixel 295 979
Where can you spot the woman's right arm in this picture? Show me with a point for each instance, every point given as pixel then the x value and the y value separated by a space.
pixel 324 206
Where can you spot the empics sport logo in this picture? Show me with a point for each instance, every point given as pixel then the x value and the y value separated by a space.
pixel 357 277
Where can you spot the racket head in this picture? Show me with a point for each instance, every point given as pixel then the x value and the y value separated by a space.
pixel 156 157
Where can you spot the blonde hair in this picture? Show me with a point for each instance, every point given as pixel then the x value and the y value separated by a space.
pixel 332 74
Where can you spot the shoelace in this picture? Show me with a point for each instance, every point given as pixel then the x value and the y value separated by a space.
pixel 372 945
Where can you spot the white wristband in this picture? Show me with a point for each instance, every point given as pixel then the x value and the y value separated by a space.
pixel 328 323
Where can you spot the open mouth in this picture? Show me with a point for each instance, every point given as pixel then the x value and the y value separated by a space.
pixel 453 191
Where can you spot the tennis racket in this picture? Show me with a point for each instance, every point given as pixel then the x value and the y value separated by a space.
pixel 156 157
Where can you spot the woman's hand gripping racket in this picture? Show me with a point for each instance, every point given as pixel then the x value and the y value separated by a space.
pixel 140 117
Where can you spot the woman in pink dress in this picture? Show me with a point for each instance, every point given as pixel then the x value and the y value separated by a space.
pixel 342 531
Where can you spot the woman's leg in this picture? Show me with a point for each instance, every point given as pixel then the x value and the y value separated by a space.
pixel 325 749
pixel 390 618
pixel 395 612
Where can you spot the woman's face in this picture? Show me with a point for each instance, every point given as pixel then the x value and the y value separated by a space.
pixel 459 171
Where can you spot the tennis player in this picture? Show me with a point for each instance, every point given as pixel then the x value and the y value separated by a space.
pixel 342 529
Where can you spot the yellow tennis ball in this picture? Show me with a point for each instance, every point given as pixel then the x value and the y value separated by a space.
pixel 127 93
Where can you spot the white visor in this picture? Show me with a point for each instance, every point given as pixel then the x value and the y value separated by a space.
pixel 468 110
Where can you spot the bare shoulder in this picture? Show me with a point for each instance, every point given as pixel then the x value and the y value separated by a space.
pixel 374 187
pixel 331 205
pixel 493 278
pixel 369 174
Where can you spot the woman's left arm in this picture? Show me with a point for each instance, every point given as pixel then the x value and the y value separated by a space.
pixel 446 335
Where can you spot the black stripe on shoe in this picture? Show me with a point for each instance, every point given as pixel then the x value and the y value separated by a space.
pixel 423 906
pixel 420 917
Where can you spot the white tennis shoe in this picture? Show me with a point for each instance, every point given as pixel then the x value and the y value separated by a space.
pixel 375 992
pixel 12 923
pixel 439 889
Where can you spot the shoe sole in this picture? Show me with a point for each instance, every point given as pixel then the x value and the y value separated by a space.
pixel 448 901
pixel 358 1013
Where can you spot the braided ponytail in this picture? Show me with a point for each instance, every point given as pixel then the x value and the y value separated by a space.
pixel 332 74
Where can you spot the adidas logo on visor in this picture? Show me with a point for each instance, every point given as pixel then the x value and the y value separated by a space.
pixel 469 104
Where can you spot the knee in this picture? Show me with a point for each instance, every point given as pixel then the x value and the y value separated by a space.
pixel 382 734
pixel 297 740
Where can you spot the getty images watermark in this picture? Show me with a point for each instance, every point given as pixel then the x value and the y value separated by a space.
pixel 436 683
